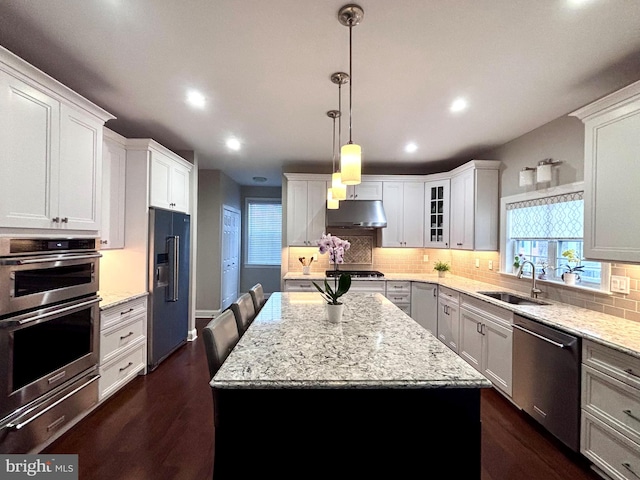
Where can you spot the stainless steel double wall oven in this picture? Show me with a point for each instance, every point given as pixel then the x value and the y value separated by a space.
pixel 49 341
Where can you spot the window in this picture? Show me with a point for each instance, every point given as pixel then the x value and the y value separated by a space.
pixel 539 227
pixel 264 231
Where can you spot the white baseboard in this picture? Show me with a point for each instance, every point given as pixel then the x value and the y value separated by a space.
pixel 207 313
pixel 192 335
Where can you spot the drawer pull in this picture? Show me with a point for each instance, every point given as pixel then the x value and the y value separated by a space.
pixel 125 336
pixel 126 311
pixel 630 372
pixel 126 366
pixel 627 465
pixel 628 412
pixel 56 423
pixel 397 286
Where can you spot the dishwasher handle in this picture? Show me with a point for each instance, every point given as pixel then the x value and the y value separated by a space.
pixel 557 344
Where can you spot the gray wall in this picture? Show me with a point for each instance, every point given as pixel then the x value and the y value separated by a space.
pixel 215 189
pixel 269 277
pixel 561 139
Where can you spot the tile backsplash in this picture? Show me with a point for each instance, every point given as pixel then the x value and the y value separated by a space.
pixel 463 263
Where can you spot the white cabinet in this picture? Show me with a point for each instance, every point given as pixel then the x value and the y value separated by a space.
pixel 400 294
pixel 123 344
pixel 404 208
pixel 169 187
pixel 302 285
pixel 306 207
pixel 366 190
pixel 367 286
pixel 424 305
pixel 475 206
pixel 448 317
pixel 486 341
pixel 51 143
pixel 436 224
pixel 611 172
pixel 114 156
pixel 610 427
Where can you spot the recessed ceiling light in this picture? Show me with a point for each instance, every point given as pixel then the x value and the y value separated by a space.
pixel 577 3
pixel 259 179
pixel 458 105
pixel 410 147
pixel 196 99
pixel 233 144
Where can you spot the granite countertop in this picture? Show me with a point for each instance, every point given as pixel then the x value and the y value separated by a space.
pixel 614 332
pixel 112 299
pixel 291 344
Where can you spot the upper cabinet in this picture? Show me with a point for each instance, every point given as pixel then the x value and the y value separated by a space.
pixel 475 205
pixel 114 158
pixel 169 181
pixel 51 144
pixel 365 191
pixel 305 209
pixel 437 209
pixel 611 172
pixel 404 208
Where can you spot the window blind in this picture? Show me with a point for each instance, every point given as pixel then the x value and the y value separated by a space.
pixel 560 217
pixel 264 232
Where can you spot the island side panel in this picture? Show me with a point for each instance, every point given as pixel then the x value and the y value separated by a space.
pixel 406 432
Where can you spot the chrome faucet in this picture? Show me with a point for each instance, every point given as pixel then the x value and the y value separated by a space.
pixel 534 291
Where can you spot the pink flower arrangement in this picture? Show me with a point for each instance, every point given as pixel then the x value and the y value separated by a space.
pixel 335 246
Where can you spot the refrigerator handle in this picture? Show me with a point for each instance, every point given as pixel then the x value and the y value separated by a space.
pixel 174 251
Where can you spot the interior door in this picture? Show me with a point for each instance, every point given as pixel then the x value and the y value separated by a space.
pixel 230 285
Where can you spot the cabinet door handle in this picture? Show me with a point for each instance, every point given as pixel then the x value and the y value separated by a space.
pixel 482 328
pixel 459 244
pixel 55 219
pixel 630 372
pixel 64 220
pixel 635 417
pixel 478 327
pixel 627 465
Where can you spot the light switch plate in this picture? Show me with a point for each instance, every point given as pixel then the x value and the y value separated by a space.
pixel 620 284
pixel 490 264
pixel 425 258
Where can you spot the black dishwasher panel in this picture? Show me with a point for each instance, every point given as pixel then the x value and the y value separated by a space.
pixel 546 378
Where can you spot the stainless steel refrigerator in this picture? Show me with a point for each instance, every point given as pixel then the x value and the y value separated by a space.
pixel 168 318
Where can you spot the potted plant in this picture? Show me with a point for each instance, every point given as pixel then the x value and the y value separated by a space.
pixel 336 248
pixel 570 277
pixel 441 267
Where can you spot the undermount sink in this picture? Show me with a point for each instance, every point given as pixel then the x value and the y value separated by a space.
pixel 508 297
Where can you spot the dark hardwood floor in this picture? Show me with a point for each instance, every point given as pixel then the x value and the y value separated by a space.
pixel 160 427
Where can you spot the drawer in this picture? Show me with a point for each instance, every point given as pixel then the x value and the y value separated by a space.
pixel 615 454
pixel 448 293
pixel 406 308
pixel 499 314
pixel 398 287
pixel 617 364
pixel 301 285
pixel 115 339
pixel 367 286
pixel 122 369
pixel 123 312
pixel 612 401
pixel 399 297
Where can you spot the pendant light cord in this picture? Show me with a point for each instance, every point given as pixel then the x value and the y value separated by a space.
pixel 333 146
pixel 350 78
pixel 340 116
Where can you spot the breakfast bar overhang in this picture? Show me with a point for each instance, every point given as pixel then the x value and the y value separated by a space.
pixel 375 393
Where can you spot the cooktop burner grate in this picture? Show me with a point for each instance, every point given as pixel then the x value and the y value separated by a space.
pixel 355 273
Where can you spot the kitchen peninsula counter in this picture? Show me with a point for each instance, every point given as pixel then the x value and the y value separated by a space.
pixel 608 330
pixel 352 398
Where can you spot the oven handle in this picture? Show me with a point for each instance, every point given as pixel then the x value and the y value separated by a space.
pixel 48 259
pixel 18 426
pixel 49 314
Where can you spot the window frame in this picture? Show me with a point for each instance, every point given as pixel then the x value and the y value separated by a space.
pixel 506 245
pixel 245 248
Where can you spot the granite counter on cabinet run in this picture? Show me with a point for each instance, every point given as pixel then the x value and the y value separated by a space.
pixel 355 398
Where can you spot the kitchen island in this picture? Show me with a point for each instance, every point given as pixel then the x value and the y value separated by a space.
pixel 374 393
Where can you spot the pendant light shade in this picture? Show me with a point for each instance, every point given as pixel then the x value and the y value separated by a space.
pixel 350 163
pixel 332 203
pixel 338 189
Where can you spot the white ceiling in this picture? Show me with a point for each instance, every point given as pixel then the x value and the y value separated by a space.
pixel 264 68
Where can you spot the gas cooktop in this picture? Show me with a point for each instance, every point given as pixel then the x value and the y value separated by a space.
pixel 355 273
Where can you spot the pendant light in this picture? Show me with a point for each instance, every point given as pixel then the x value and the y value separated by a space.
pixel 332 202
pixel 339 189
pixel 351 153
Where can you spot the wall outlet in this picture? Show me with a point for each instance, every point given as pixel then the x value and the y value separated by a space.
pixel 425 258
pixel 620 284
pixel 315 257
pixel 477 263
pixel 490 264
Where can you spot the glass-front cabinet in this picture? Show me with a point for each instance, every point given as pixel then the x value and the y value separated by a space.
pixel 436 214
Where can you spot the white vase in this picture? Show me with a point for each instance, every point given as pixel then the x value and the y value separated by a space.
pixel 306 270
pixel 442 273
pixel 334 312
pixel 569 278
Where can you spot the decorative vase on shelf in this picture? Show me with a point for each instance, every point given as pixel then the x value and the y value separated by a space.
pixel 334 312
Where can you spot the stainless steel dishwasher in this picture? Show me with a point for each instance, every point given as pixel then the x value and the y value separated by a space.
pixel 546 378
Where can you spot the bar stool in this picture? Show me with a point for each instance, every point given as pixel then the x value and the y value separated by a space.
pixel 220 335
pixel 257 295
pixel 244 312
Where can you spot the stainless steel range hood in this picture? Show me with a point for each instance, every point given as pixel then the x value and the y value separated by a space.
pixel 357 214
